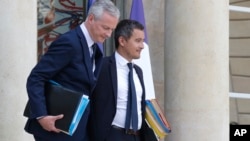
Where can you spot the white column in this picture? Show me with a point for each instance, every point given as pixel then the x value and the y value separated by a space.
pixel 17 57
pixel 196 70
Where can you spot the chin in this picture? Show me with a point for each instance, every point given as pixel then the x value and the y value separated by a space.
pixel 101 41
pixel 137 57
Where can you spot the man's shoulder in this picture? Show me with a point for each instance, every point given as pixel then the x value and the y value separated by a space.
pixel 110 58
pixel 69 36
pixel 70 32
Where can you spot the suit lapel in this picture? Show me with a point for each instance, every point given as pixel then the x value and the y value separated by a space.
pixel 113 74
pixel 140 75
pixel 85 52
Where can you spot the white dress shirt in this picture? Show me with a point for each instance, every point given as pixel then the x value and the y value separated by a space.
pixel 122 92
pixel 89 40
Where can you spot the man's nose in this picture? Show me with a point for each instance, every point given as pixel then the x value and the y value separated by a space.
pixel 108 33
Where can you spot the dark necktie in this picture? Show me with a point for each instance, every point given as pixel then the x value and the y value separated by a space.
pixel 94 46
pixel 131 115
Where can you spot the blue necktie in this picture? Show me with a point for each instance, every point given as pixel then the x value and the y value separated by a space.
pixel 131 115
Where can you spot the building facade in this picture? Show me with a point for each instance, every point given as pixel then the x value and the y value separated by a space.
pixel 189 49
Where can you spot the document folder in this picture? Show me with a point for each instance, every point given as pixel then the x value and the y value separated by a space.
pixel 64 101
pixel 61 100
pixel 157 119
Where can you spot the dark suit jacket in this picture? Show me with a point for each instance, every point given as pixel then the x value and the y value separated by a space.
pixel 67 62
pixel 103 99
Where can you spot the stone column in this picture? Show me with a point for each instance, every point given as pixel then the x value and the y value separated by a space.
pixel 17 57
pixel 196 70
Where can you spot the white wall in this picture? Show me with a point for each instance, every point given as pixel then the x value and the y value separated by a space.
pixel 17 57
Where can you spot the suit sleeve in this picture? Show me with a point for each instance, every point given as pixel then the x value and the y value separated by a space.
pixel 57 57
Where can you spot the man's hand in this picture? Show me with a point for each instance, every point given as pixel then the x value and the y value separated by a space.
pixel 48 122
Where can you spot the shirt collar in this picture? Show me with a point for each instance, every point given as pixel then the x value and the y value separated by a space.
pixel 89 40
pixel 120 60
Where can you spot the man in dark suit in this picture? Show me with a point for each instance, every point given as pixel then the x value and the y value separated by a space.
pixel 68 62
pixel 110 96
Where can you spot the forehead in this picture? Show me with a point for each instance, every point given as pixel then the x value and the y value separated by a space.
pixel 137 34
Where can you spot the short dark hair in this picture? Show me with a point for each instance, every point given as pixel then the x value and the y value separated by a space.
pixel 125 29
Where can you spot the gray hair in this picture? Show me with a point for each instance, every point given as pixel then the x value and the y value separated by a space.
pixel 101 6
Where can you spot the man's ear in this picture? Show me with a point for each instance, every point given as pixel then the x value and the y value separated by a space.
pixel 121 41
pixel 91 18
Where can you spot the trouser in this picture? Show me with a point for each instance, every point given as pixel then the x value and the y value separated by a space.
pixel 117 134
